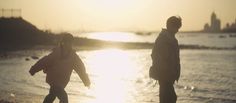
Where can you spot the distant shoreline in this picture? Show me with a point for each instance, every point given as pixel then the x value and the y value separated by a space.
pixel 119 45
pixel 206 32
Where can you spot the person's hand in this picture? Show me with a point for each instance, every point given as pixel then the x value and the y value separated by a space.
pixel 87 82
pixel 31 73
pixel 88 85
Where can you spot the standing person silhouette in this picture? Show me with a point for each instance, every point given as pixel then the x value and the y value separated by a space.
pixel 58 66
pixel 165 60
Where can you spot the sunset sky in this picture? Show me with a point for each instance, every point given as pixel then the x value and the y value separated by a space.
pixel 120 15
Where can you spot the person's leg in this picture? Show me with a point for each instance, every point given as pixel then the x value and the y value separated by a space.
pixel 173 94
pixel 51 96
pixel 62 95
pixel 167 92
pixel 163 90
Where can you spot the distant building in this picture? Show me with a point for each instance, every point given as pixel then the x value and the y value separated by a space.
pixel 215 25
pixel 230 27
pixel 206 27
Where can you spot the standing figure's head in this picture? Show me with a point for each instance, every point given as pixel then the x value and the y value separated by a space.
pixel 67 40
pixel 173 24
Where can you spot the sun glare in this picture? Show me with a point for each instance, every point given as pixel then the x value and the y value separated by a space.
pixel 115 4
pixel 113 69
pixel 110 3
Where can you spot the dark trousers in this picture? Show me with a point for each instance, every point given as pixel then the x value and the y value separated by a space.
pixel 167 92
pixel 58 92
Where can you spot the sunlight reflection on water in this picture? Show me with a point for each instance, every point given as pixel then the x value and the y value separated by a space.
pixel 113 68
pixel 113 36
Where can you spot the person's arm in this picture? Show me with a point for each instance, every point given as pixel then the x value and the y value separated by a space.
pixel 178 72
pixel 42 64
pixel 178 66
pixel 154 54
pixel 81 71
pixel 38 66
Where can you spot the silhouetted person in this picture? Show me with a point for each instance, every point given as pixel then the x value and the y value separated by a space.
pixel 58 67
pixel 166 63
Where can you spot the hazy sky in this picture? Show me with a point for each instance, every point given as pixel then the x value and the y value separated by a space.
pixel 120 15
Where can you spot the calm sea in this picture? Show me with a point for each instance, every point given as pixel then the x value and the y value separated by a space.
pixel 121 76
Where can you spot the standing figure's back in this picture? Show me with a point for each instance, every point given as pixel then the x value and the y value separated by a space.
pixel 166 63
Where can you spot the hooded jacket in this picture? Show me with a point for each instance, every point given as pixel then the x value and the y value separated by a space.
pixel 58 70
pixel 165 57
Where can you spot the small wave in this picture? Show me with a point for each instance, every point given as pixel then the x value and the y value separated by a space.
pixel 186 87
pixel 215 99
pixel 205 47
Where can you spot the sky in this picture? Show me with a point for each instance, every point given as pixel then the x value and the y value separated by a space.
pixel 120 15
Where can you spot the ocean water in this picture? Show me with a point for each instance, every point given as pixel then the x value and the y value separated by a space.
pixel 121 76
pixel 201 39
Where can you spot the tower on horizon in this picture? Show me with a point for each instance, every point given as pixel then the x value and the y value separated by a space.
pixel 215 25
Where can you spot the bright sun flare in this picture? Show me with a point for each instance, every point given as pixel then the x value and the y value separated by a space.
pixel 113 69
